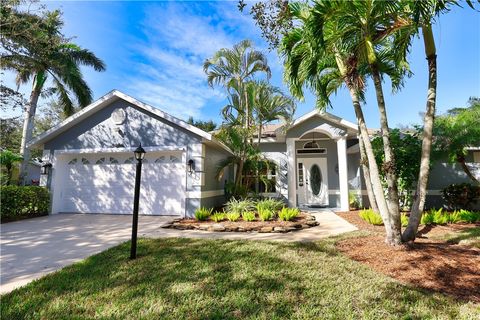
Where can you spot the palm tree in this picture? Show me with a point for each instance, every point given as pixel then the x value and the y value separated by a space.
pixel 313 59
pixel 61 64
pixel 8 159
pixel 233 68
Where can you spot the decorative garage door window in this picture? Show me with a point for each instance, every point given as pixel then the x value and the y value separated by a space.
pixel 85 161
pixel 73 161
pixel 174 159
pixel 160 159
pixel 129 160
pixel 100 161
pixel 113 160
pixel 315 179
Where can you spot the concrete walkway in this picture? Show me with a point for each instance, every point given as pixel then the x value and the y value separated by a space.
pixel 32 248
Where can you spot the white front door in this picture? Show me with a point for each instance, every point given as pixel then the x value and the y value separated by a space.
pixel 316 182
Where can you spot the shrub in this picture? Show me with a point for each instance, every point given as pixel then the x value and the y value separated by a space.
pixel 217 217
pixel 468 216
pixel 239 206
pixel 270 204
pixel 371 217
pixel 461 196
pixel 287 214
pixel 248 216
pixel 22 202
pixel 427 217
pixel 265 214
pixel 202 214
pixel 440 217
pixel 233 216
pixel 404 220
pixel 353 201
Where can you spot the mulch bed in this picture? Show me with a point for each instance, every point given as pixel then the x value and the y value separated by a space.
pixel 428 263
pixel 302 221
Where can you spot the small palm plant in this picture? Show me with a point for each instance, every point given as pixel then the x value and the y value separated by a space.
pixel 8 159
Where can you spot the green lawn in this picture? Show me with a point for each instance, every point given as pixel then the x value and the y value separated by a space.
pixel 214 279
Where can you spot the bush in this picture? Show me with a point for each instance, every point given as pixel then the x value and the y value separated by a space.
pixel 469 216
pixel 248 216
pixel 202 214
pixel 371 217
pixel 23 202
pixel 233 216
pixel 217 217
pixel 270 204
pixel 239 206
pixel 461 196
pixel 353 200
pixel 404 220
pixel 427 217
pixel 287 214
pixel 265 214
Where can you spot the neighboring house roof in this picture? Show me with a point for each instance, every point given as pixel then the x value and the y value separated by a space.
pixel 103 102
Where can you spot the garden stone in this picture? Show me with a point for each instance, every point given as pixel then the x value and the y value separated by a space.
pixel 305 226
pixel 217 228
pixel 279 229
pixel 167 225
pixel 265 229
pixel 312 223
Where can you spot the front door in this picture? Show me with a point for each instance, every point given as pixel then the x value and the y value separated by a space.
pixel 316 182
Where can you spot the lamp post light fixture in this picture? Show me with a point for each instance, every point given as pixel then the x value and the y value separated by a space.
pixel 139 155
pixel 45 168
pixel 191 166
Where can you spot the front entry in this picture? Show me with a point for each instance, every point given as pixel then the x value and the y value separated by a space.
pixel 313 191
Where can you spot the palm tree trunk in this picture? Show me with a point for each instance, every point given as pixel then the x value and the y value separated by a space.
pixel 257 179
pixel 389 163
pixel 238 178
pixel 421 193
pixel 461 160
pixel 366 176
pixel 392 238
pixel 28 121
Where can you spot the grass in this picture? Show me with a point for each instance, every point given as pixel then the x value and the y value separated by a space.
pixel 469 236
pixel 219 279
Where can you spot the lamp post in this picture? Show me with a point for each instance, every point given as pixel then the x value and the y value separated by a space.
pixel 139 155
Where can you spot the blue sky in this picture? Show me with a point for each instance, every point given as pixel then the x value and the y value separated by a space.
pixel 154 51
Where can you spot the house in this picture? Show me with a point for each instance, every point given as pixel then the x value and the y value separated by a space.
pixel 316 161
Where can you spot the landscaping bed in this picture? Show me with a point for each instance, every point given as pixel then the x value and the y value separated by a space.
pixel 443 258
pixel 302 221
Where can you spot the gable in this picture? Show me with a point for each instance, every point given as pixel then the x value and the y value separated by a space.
pixel 319 124
pixel 121 124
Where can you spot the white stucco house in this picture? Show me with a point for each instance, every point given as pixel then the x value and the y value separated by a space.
pixel 92 166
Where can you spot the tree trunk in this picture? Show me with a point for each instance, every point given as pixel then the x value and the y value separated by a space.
pixel 238 178
pixel 418 205
pixel 366 176
pixel 28 121
pixel 257 179
pixel 461 160
pixel 389 163
pixel 392 238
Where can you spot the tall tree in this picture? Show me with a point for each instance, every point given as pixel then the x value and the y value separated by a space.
pixel 204 125
pixel 232 69
pixel 60 63
pixel 8 160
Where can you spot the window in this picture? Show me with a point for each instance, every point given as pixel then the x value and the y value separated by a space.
pixel 73 161
pixel 129 160
pixel 174 159
pixel 160 159
pixel 113 160
pixel 267 177
pixel 100 161
pixel 300 174
pixel 85 161
pixel 310 145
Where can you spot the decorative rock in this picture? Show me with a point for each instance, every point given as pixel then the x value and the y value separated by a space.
pixel 312 223
pixel 203 227
pixel 166 226
pixel 265 229
pixel 231 229
pixel 305 226
pixel 279 229
pixel 291 228
pixel 297 226
pixel 241 229
pixel 217 228
pixel 310 218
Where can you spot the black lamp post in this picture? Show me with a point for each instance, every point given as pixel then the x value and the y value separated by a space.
pixel 139 155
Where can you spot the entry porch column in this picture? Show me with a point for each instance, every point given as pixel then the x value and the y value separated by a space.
pixel 343 172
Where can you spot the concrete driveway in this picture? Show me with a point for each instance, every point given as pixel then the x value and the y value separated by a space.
pixel 32 248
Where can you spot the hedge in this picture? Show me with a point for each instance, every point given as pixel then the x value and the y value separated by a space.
pixel 23 202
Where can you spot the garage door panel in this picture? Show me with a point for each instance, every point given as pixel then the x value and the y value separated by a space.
pixel 109 188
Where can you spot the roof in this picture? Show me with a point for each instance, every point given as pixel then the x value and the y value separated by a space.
pixel 327 116
pixel 105 101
